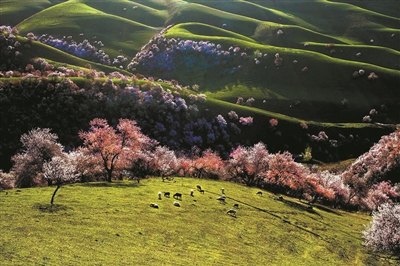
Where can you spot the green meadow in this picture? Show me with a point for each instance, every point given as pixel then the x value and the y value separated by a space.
pixel 113 224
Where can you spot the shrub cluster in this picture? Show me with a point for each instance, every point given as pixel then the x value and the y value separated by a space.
pixel 162 56
pixel 9 51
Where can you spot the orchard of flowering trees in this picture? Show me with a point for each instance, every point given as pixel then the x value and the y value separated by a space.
pixel 135 127
pixel 111 153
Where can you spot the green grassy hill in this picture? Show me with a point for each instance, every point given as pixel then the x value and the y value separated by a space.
pixel 112 223
pixel 330 39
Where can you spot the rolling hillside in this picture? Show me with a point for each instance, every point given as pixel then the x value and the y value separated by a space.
pixel 322 46
pixel 112 223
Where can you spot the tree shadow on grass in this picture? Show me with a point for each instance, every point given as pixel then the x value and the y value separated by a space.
pixel 327 209
pixel 275 215
pixel 50 208
pixel 112 184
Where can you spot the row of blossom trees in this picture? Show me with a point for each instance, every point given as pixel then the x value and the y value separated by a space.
pixel 108 153
pixel 111 153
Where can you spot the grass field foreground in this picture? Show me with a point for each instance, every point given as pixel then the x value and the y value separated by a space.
pixel 113 224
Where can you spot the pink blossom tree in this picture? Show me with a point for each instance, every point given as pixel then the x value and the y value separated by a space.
pixel 112 144
pixel 209 164
pixel 248 164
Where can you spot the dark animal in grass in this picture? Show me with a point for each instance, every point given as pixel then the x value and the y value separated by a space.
pixel 177 204
pixel 279 198
pixel 231 212
pixel 159 195
pixel 259 193
pixel 167 194
pixel 198 187
pixel 201 191
pixel 192 193
pixel 178 195
pixel 236 205
pixel 153 205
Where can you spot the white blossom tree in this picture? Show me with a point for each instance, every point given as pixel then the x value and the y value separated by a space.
pixel 39 146
pixel 59 171
pixel 383 234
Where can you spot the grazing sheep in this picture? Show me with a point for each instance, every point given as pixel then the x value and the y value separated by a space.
pixel 159 195
pixel 259 193
pixel 236 205
pixel 167 194
pixel 221 199
pixel 191 193
pixel 153 205
pixel 178 195
pixel 198 187
pixel 231 212
pixel 177 204
pixel 201 191
pixel 223 190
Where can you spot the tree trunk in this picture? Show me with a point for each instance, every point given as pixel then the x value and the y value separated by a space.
pixel 109 175
pixel 55 191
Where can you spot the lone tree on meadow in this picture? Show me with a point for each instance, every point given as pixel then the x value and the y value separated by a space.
pixel 58 171
pixel 111 145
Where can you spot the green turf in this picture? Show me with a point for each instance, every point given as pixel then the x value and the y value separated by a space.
pixel 112 224
pixel 81 21
pixel 13 12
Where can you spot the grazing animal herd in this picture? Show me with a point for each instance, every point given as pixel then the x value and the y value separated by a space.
pixel 221 199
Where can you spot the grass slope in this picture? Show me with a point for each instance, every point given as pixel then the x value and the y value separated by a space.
pixel 81 21
pixel 112 224
pixel 13 12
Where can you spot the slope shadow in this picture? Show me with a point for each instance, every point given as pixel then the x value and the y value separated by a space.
pixel 272 214
pixel 112 184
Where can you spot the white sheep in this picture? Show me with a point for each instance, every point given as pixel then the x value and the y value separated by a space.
pixel 159 195
pixel 221 199
pixel 191 192
pixel 223 190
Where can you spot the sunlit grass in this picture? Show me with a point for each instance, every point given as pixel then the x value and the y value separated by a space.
pixel 113 224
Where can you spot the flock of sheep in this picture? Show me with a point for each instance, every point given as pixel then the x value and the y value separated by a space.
pixel 178 196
